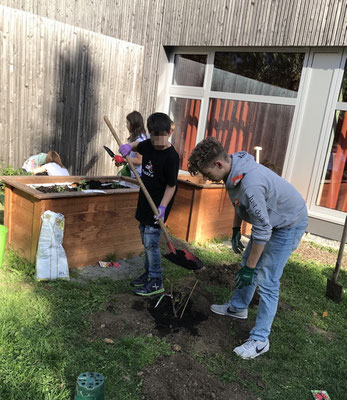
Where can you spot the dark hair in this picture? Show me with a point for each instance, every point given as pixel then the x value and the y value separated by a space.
pixel 158 123
pixel 136 125
pixel 204 154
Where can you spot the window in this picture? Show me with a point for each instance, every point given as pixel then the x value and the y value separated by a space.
pixel 242 125
pixel 333 184
pixel 270 74
pixel 189 70
pixel 245 99
pixel 185 114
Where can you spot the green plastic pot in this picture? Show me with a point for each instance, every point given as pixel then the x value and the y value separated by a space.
pixel 3 236
pixel 90 386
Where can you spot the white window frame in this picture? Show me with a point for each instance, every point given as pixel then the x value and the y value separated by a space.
pixel 204 93
pixel 320 212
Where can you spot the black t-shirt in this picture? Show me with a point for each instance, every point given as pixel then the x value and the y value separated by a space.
pixel 159 168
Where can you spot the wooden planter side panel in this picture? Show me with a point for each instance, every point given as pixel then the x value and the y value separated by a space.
pixel 180 215
pixel 200 213
pixel 19 217
pixel 98 226
pixel 94 226
pixel 215 215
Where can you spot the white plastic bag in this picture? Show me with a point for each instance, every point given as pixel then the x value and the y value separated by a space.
pixel 51 261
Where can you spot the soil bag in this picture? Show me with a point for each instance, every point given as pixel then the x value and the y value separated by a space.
pixel 51 261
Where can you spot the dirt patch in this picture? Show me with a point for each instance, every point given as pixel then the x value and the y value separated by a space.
pixel 180 377
pixel 319 331
pixel 198 330
pixel 307 251
pixel 190 327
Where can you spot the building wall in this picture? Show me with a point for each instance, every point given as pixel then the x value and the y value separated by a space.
pixel 156 23
pixel 57 83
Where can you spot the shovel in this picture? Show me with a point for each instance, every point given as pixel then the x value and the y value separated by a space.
pixel 183 258
pixel 334 290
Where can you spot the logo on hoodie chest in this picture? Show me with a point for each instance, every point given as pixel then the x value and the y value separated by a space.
pixel 236 202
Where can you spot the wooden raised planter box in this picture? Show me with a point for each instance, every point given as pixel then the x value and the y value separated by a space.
pixel 96 224
pixel 201 211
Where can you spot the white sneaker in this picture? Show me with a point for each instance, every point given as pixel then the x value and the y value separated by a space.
pixel 252 348
pixel 229 310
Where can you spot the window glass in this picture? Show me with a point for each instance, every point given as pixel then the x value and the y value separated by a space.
pixel 243 125
pixel 272 74
pixel 189 70
pixel 185 114
pixel 333 186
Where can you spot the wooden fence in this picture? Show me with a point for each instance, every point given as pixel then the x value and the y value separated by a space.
pixel 57 82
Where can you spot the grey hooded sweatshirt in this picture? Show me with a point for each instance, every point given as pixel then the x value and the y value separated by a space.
pixel 263 198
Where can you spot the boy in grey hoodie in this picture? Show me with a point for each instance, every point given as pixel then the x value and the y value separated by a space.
pixel 278 215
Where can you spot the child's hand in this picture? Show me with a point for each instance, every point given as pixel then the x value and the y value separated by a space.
pixel 125 149
pixel 119 160
pixel 161 214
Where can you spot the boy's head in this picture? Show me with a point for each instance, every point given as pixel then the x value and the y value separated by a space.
pixel 210 159
pixel 159 127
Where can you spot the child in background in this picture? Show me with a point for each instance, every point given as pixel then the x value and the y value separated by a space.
pixel 53 165
pixel 34 161
pixel 160 163
pixel 137 132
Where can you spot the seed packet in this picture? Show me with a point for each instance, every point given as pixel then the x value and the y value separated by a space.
pixel 320 395
pixel 108 264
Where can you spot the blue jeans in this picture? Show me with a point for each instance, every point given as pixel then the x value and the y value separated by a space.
pixel 150 239
pixel 267 277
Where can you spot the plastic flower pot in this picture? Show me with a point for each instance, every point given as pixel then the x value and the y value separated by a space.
pixel 90 386
pixel 3 236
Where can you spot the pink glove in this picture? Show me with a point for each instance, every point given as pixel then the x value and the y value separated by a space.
pixel 161 214
pixel 125 149
pixel 119 160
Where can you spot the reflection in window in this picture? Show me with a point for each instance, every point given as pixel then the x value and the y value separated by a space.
pixel 272 74
pixel 333 186
pixel 343 91
pixel 185 114
pixel 189 69
pixel 242 125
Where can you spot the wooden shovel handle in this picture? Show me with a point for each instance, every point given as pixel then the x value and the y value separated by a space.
pixel 340 254
pixel 139 181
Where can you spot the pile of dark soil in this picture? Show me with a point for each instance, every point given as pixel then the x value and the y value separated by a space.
pixel 76 187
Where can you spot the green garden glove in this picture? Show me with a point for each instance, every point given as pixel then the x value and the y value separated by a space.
pixel 236 240
pixel 244 277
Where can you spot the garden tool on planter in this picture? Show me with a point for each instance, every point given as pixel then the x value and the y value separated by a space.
pixel 334 290
pixel 183 258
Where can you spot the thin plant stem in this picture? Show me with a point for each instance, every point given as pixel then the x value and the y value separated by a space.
pixel 189 298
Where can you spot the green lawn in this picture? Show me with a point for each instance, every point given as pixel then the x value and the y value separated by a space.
pixel 45 337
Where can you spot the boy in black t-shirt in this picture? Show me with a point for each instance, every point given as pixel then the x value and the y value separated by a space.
pixel 160 164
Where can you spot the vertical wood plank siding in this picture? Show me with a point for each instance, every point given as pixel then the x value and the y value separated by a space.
pixel 57 82
pixel 52 48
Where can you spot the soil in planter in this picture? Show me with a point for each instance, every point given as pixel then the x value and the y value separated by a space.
pixel 91 184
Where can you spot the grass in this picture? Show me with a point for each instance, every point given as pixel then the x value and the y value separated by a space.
pixel 46 340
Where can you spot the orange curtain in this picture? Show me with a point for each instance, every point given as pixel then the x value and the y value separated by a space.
pixel 336 197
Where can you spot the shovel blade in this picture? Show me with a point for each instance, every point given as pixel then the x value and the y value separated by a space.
pixel 333 291
pixel 184 259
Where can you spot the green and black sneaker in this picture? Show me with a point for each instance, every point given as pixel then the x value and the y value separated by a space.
pixel 151 287
pixel 141 280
